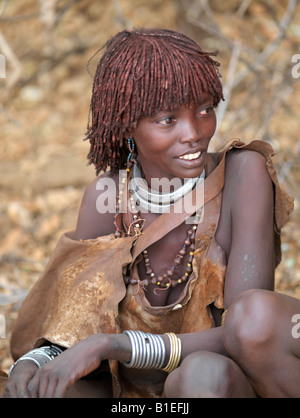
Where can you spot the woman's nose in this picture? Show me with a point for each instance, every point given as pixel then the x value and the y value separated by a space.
pixel 190 132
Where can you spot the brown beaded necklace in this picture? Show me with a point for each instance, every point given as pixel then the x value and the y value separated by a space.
pixel 165 280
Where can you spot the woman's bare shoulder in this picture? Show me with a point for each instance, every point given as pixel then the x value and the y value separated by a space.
pixel 247 169
pixel 245 156
pixel 98 207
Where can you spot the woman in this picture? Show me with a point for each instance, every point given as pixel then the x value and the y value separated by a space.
pixel 134 295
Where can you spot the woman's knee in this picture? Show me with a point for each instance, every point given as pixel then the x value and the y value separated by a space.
pixel 258 336
pixel 250 322
pixel 201 374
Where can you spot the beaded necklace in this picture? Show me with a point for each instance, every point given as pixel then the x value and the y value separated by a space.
pixel 165 280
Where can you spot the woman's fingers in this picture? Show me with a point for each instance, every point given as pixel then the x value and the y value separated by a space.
pixel 53 380
pixel 17 385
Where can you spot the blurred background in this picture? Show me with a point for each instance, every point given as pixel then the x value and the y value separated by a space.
pixel 45 91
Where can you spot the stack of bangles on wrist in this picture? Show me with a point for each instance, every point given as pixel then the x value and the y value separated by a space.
pixel 149 351
pixel 39 356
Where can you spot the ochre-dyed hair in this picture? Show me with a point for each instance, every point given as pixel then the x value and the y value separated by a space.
pixel 141 73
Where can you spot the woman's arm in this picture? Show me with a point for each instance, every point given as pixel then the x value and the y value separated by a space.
pixel 251 257
pixel 57 376
pixel 249 195
pixel 97 209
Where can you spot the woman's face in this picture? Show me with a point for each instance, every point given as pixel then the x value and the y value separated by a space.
pixel 174 143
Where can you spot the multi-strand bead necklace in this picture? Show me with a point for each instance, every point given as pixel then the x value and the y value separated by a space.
pixel 166 279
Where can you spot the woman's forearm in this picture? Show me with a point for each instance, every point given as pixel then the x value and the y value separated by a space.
pixel 208 340
pixel 119 347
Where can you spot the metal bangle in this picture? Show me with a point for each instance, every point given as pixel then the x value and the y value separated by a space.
pixel 142 361
pixel 148 350
pixel 39 356
pixel 163 353
pixel 223 317
pixel 153 343
pixel 160 350
pixel 175 352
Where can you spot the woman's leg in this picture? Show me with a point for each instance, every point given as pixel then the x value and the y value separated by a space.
pixel 261 334
pixel 207 375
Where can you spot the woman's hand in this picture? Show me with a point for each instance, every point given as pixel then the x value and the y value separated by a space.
pixel 56 377
pixel 17 385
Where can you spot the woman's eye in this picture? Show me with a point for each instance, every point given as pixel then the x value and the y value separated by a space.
pixel 206 111
pixel 166 121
